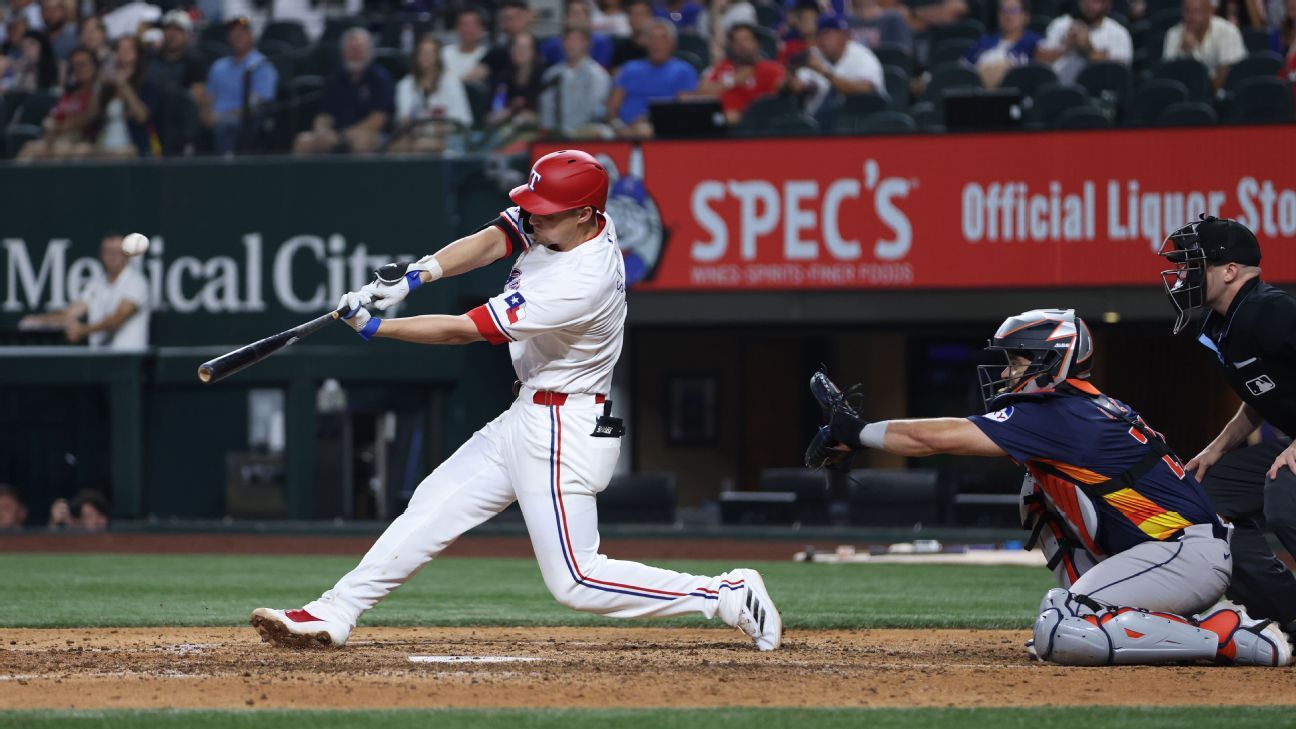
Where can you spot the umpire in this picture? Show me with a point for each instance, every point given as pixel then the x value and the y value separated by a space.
pixel 1250 327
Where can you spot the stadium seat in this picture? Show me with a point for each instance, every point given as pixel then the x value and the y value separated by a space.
pixel 795 123
pixel 1258 64
pixel 1165 19
pixel 1082 117
pixel 213 32
pixel 1256 40
pixel 1039 22
pixel 394 61
pixel 479 100
pixel 691 59
pixel 897 86
pixel 212 50
pixel 1107 83
pixel 178 127
pixel 1157 6
pixel 864 104
pixel 888 122
pixel 1152 98
pixel 1187 114
pixel 18 135
pixel 809 485
pixel 1029 78
pixel 894 54
pixel 290 32
pixel 335 27
pixel 950 50
pixel 950 76
pixel 328 58
pixel 10 102
pixel 1190 72
pixel 769 42
pixel 274 48
pixel 768 15
pixel 1053 99
pixel 928 117
pixel 969 29
pixel 392 33
pixel 1261 100
pixel 698 46
pixel 763 111
pixel 303 93
pixel 35 108
pixel 896 498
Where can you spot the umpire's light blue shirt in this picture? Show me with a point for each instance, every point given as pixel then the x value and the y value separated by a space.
pixel 643 82
pixel 225 82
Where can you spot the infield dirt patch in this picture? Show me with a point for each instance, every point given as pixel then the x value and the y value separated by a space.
pixel 585 667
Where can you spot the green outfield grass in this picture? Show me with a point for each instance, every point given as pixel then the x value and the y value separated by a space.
pixel 117 590
pixel 1052 718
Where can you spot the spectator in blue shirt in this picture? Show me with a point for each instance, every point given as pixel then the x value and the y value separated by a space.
pixel 1013 45
pixel 660 76
pixel 577 17
pixel 244 73
pixel 359 99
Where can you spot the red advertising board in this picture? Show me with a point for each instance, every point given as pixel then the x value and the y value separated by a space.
pixel 1072 209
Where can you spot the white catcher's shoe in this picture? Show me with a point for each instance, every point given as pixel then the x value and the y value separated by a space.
pixel 298 629
pixel 757 616
pixel 1246 641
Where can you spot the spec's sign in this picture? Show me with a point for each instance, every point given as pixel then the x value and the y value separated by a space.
pixel 948 211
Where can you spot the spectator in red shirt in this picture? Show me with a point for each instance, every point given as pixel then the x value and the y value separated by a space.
pixel 742 77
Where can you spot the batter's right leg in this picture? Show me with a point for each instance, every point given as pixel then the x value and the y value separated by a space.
pixel 464 491
pixel 1237 488
pixel 556 482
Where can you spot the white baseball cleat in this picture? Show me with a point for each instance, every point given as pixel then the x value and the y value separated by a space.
pixel 757 616
pixel 298 629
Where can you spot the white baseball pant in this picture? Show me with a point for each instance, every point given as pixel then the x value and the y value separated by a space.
pixel 544 457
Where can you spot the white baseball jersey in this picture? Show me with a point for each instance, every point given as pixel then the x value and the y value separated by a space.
pixel 102 300
pixel 562 313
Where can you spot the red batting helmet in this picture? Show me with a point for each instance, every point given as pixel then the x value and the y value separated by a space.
pixel 563 181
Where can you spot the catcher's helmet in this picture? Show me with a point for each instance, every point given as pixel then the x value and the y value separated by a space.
pixel 563 181
pixel 1211 241
pixel 1056 341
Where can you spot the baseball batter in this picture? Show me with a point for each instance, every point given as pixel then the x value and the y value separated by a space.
pixel 562 315
pixel 1135 544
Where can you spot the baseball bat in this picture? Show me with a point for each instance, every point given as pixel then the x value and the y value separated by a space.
pixel 227 364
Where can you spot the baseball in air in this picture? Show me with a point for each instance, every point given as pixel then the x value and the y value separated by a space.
pixel 134 244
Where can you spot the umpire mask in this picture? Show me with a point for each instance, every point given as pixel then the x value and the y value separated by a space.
pixel 1209 241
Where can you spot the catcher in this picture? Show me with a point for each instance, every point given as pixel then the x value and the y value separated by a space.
pixel 1131 536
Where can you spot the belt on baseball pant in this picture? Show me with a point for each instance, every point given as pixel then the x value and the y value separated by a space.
pixel 1217 531
pixel 547 397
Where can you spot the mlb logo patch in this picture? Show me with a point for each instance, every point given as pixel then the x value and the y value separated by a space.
pixel 1260 385
pixel 516 307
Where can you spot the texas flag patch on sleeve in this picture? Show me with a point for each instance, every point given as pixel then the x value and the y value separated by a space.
pixel 516 307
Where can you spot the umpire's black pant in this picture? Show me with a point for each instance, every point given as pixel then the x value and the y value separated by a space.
pixel 1243 494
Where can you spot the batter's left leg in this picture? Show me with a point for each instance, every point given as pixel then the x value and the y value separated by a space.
pixel 553 486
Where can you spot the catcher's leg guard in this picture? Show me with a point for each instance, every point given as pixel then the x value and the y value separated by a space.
pixel 1074 634
pixel 1244 641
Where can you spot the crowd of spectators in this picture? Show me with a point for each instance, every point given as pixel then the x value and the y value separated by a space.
pixel 87 511
pixel 103 78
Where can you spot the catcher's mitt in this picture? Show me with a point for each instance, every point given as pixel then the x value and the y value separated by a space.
pixel 842 426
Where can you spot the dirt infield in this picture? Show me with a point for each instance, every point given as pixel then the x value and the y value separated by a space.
pixel 590 667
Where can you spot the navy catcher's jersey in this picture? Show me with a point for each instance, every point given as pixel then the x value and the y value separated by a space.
pixel 1074 449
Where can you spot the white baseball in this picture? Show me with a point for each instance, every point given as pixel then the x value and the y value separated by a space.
pixel 134 244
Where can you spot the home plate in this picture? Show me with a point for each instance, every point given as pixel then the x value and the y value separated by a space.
pixel 472 659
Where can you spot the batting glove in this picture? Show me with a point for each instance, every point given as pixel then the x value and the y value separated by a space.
pixel 356 316
pixel 396 280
